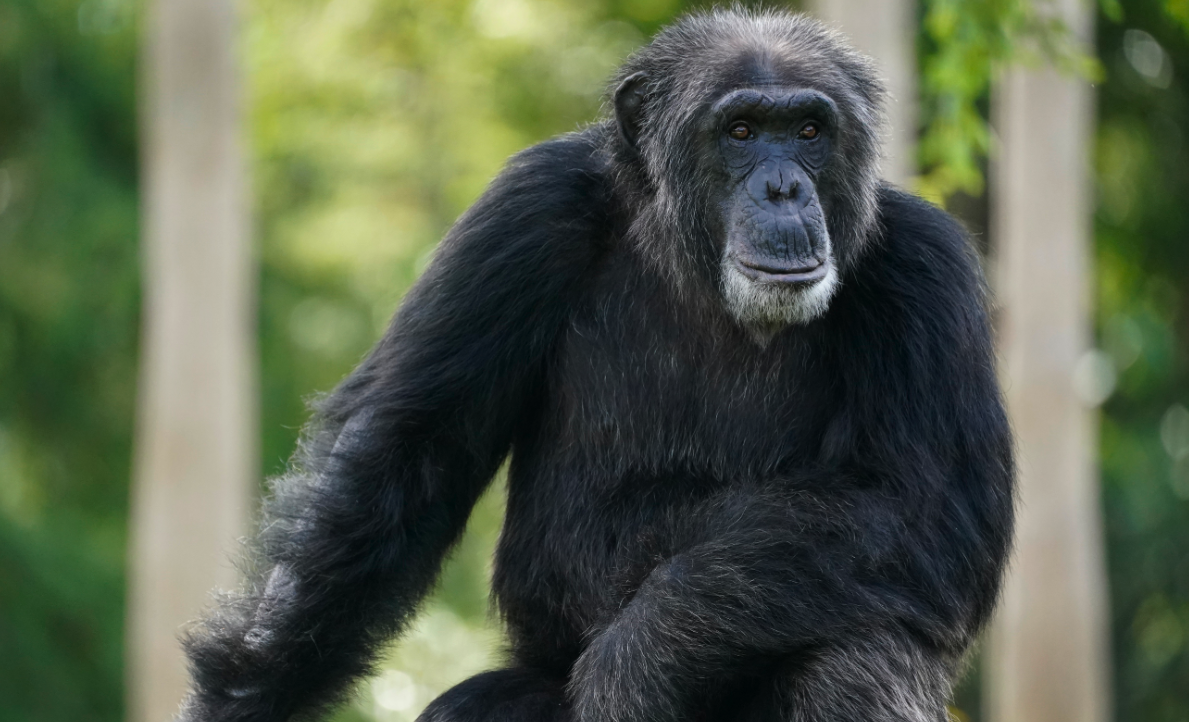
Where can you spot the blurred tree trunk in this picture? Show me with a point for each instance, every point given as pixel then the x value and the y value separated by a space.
pixel 1048 654
pixel 886 30
pixel 196 429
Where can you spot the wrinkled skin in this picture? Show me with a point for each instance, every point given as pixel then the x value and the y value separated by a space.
pixel 776 229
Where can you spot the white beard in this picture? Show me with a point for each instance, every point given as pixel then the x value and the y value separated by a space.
pixel 765 308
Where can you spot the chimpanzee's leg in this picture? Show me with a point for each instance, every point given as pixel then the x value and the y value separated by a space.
pixel 505 695
pixel 875 677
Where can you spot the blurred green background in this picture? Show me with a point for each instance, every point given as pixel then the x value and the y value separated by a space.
pixel 373 124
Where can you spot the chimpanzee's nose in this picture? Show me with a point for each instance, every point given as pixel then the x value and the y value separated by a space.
pixel 779 187
pixel 782 186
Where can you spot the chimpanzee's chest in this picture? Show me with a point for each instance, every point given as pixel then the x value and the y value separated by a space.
pixel 645 383
pixel 643 419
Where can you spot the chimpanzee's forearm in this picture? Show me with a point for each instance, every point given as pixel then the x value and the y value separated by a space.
pixel 351 543
pixel 783 574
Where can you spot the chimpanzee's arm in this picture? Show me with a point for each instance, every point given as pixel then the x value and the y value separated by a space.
pixel 797 573
pixel 900 532
pixel 779 575
pixel 354 535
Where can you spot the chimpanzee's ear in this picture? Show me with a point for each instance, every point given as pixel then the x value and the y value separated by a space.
pixel 629 106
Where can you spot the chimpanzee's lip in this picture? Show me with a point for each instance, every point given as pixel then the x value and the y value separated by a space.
pixel 771 271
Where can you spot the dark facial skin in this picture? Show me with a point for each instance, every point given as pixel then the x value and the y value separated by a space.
pixel 774 143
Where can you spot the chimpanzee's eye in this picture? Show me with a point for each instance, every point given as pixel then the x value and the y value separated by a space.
pixel 740 131
pixel 809 132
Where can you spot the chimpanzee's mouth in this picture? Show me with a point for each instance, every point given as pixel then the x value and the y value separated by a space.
pixel 800 272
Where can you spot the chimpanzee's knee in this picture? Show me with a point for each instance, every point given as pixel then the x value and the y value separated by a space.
pixel 505 695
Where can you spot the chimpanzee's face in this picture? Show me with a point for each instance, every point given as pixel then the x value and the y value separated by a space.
pixel 759 168
pixel 777 264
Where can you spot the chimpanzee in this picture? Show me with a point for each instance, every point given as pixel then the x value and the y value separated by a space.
pixel 760 467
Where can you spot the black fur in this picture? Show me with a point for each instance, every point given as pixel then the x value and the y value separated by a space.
pixel 705 521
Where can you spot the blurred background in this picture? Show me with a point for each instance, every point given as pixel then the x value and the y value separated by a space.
pixel 346 135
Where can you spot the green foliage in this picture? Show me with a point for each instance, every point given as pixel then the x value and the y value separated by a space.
pixel 1142 163
pixel 68 320
pixel 1178 10
pixel 967 44
pixel 61 605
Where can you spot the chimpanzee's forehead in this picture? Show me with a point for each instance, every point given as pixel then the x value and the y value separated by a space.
pixel 784 66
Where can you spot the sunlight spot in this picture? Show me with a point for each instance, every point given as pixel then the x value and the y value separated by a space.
pixel 508 19
pixel 1148 58
pixel 1094 378
pixel 1174 431
pixel 394 690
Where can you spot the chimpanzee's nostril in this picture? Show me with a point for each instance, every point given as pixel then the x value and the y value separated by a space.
pixel 774 186
pixel 782 187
